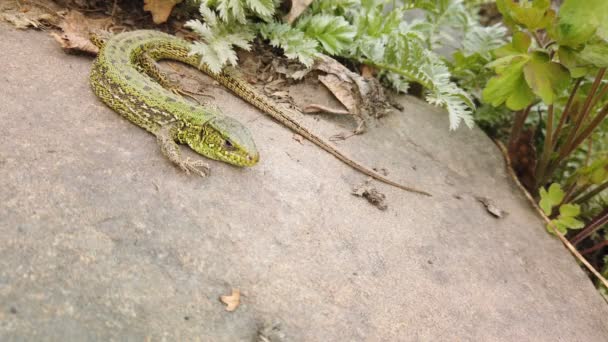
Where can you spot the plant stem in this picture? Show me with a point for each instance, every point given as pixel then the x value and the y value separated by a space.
pixel 567 147
pixel 566 112
pixel 518 125
pixel 547 150
pixel 592 193
pixel 590 128
pixel 595 248
pixel 595 224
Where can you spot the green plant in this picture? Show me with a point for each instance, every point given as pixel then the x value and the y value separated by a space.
pixel 557 60
pixel 370 32
pixel 566 219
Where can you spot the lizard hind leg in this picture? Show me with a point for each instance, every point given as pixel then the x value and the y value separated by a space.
pixel 149 66
pixel 166 138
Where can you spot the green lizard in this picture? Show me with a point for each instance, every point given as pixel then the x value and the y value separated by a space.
pixel 126 77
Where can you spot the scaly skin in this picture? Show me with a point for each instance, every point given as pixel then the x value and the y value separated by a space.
pixel 124 75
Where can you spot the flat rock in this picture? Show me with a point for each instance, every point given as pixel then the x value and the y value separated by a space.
pixel 104 239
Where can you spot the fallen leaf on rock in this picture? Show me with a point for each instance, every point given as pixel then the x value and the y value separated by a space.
pixel 373 196
pixel 297 7
pixel 76 28
pixel 160 9
pixel 361 96
pixel 343 91
pixel 490 207
pixel 232 301
pixel 317 108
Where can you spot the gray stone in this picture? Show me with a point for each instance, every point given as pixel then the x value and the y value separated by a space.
pixel 104 239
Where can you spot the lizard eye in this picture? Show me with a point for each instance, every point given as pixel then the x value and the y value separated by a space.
pixel 228 145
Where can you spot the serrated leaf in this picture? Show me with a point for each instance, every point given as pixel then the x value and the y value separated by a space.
pixel 509 87
pixel 551 198
pixel 546 78
pixel 333 32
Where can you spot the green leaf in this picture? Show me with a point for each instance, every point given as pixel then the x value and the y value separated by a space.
pixel 596 173
pixel 519 45
pixel 596 53
pixel 546 78
pixel 569 210
pixel 561 228
pixel 333 32
pixel 533 15
pixel 551 198
pixel 570 222
pixel 578 20
pixel 569 58
pixel 509 86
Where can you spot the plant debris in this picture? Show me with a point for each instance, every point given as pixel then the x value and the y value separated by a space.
pixel 34 14
pixel 76 29
pixel 362 97
pixel 160 9
pixel 232 301
pixel 490 206
pixel 373 196
pixel 271 332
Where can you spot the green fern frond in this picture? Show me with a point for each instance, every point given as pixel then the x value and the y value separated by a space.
pixel 333 32
pixel 218 39
pixel 294 42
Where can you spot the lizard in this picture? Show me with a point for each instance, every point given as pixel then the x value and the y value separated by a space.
pixel 126 77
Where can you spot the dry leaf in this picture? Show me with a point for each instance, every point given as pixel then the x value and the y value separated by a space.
pixel 232 301
pixel 160 9
pixel 317 108
pixel 76 29
pixel 343 91
pixel 33 15
pixel 361 96
pixel 297 7
pixel 490 206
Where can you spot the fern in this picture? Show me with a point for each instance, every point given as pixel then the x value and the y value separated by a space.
pixel 333 32
pixel 218 39
pixel 238 10
pixel 294 43
pixel 365 31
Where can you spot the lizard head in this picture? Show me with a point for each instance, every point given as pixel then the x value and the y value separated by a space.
pixel 223 139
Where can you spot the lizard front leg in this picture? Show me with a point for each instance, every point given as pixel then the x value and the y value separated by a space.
pixel 166 138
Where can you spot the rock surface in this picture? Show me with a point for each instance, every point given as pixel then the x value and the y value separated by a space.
pixel 103 239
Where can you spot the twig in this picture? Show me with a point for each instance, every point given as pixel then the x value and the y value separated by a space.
pixel 563 239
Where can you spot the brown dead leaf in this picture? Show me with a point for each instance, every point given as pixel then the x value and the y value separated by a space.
pixel 363 97
pixel 232 301
pixel 160 9
pixel 317 108
pixel 76 29
pixel 490 206
pixel 343 91
pixel 297 8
